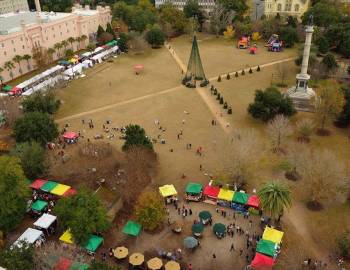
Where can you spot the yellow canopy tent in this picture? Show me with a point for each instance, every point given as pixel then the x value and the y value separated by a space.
pixel 226 194
pixel 67 237
pixel 272 235
pixel 73 60
pixel 60 189
pixel 167 190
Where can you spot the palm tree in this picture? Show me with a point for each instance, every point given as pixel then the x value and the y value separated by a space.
pixel 71 40
pixel 1 78
pixel 17 59
pixel 83 39
pixel 78 40
pixel 91 47
pixel 64 44
pixel 27 57
pixel 58 47
pixel 9 66
pixel 274 197
pixel 50 52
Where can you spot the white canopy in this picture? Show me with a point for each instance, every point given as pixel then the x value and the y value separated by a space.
pixel 40 76
pixel 77 69
pixel 45 221
pixel 87 63
pixel 86 54
pixel 43 85
pixel 30 236
pixel 98 49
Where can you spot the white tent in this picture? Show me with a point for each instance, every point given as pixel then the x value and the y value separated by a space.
pixel 86 54
pixel 45 221
pixel 77 69
pixel 87 63
pixel 98 49
pixel 30 236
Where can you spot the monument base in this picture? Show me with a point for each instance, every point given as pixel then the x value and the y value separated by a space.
pixel 303 99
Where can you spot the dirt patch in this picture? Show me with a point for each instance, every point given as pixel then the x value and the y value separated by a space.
pixel 314 206
pixel 323 132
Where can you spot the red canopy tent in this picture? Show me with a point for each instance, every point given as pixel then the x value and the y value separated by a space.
pixel 262 262
pixel 70 135
pixel 253 201
pixel 70 192
pixel 15 91
pixel 63 264
pixel 211 191
pixel 37 184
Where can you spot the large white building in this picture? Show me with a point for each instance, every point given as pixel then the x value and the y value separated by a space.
pixel 7 6
pixel 23 31
pixel 206 5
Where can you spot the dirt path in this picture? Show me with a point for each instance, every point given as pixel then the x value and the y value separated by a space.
pixel 296 214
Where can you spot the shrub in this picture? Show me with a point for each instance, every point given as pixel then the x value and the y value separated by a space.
pixel 243 72
pixel 250 70
pixel 258 69
pixel 289 36
pixel 329 62
pixel 322 44
pixel 236 74
pixel 344 244
pixel 215 91
pixel 155 37
pixel 219 78
pixel 221 100
pixel 212 88
pixel 228 76
pixel 225 105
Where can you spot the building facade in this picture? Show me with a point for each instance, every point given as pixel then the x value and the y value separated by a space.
pixel 21 32
pixel 7 6
pixel 270 8
pixel 206 5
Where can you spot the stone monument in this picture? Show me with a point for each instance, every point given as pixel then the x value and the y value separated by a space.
pixel 302 96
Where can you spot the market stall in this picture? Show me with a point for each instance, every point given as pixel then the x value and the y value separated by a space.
pixel 31 236
pixel 211 194
pixel 37 184
pixel 254 204
pixel 93 243
pixel 132 228
pixel 136 260
pixel 39 207
pixel 172 265
pixel 70 192
pixel 205 217
pixel 120 252
pixel 225 197
pixel 239 202
pixel 197 229
pixel 272 235
pixel 194 192
pixel 267 247
pixel 154 264
pixel 46 223
pixel 70 137
pixel 48 186
pixel 219 230
pixel 168 192
pixel 262 261
pixel 60 190
pixel 190 242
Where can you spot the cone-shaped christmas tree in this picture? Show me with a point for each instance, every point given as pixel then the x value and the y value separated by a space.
pixel 195 70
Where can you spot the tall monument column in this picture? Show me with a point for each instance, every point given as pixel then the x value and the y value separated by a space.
pixel 303 96
pixel 37 5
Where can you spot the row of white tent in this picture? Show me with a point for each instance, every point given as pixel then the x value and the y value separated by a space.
pixel 31 236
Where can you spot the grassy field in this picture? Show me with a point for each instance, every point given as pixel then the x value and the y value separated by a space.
pixel 112 91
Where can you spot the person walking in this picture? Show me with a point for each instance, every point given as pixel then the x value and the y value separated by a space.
pixel 214 256
pixel 232 248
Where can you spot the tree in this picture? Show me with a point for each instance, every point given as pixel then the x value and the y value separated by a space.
pixel 329 104
pixel 110 30
pixel 343 242
pixel 10 109
pixel 322 44
pixel 136 43
pixel 329 62
pixel 104 38
pixel 91 47
pixel 9 66
pixel 40 56
pixel 83 38
pixel 136 135
pixel 238 6
pixel 71 40
pixel 305 127
pixel 278 130
pixel 282 72
pixel 173 21
pixel 33 158
pixel 150 210
pixel 343 119
pixel 45 102
pixel 295 157
pixel 64 44
pixel 193 10
pixel 17 59
pixel 27 57
pixel 324 14
pixel 35 126
pixel 123 42
pixel 220 18
pixel 14 193
pixel 155 37
pixel 58 47
pixel 292 21
pixel 270 102
pixel 275 197
pixel 323 173
pixel 14 258
pixel 289 36
pixel 50 52
pixel 83 214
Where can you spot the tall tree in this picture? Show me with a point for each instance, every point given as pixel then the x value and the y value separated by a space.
pixel 50 52
pixel 14 258
pixel 83 38
pixel 238 6
pixel 27 57
pixel 9 66
pixel 14 193
pixel 172 20
pixel 150 210
pixel 329 104
pixel 279 129
pixel 110 30
pixel 155 37
pixel 100 31
pixel 344 117
pixel 136 135
pixel 35 126
pixel 91 47
pixel 17 59
pixel 71 40
pixel 58 47
pixel 83 214
pixel 275 197
pixel 64 44
pixel 41 102
pixel 192 9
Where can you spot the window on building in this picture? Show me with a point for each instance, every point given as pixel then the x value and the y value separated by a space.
pixel 12 41
pixel 5 53
pixel 23 47
pixel 288 7
pixel 2 45
pixel 296 8
pixel 279 7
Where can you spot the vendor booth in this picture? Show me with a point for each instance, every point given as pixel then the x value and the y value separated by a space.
pixel 211 194
pixel 154 264
pixel 132 228
pixel 272 235
pixel 194 192
pixel 254 204
pixel 70 137
pixel 74 70
pixel 267 247
pixel 205 217
pixel 197 229
pixel 168 192
pixel 190 242
pixel 172 265
pixel 37 184
pixel 219 230
pixel 225 197
pixel 46 223
pixel 136 260
pixel 91 245
pixel 31 236
pixel 120 253
pixel 39 207
pixel 262 261
pixel 239 202
pixel 60 190
pixel 48 186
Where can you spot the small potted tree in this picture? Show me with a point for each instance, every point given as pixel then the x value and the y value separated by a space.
pixel 229 111
pixel 215 91
pixel 221 100
pixel 218 97
pixel 250 70
pixel 228 76
pixel 258 69
pixel 243 72
pixel 236 74
pixel 225 105
pixel 219 78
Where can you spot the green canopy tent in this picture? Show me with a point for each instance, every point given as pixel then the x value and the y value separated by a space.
pixel 132 228
pixel 112 43
pixel 194 192
pixel 39 205
pixel 197 229
pixel 79 266
pixel 7 88
pixel 219 229
pixel 204 216
pixel 240 197
pixel 48 186
pixel 266 247
pixel 93 243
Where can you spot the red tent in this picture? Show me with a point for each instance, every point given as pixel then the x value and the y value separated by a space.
pixel 15 91
pixel 70 135
pixel 37 184
pixel 211 191
pixel 253 201
pixel 63 264
pixel 69 192
pixel 262 262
